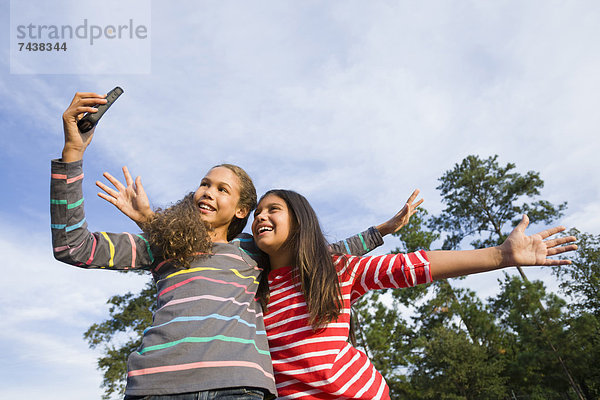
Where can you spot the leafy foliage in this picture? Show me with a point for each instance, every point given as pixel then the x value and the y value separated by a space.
pixel 581 280
pixel 481 197
pixel 452 367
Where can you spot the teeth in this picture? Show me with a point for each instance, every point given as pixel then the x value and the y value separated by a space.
pixel 264 228
pixel 206 207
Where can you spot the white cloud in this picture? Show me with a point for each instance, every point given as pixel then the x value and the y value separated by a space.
pixel 587 219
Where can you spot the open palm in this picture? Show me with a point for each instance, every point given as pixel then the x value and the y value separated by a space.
pixel 131 199
pixel 524 250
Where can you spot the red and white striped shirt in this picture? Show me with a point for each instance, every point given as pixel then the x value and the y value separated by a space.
pixel 322 364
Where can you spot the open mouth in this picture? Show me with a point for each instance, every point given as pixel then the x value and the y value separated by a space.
pixel 263 229
pixel 205 208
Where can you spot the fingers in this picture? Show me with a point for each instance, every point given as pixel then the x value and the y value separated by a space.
pixel 127 175
pixel 108 198
pixel 559 250
pixel 551 231
pixel 89 105
pixel 413 196
pixel 560 241
pixel 116 183
pixel 139 189
pixel 523 224
pixel 549 262
pixel 88 101
pixel 82 103
pixel 414 208
pixel 409 207
pixel 554 246
pixel 80 95
pixel 108 190
pixel 91 101
pixel 418 203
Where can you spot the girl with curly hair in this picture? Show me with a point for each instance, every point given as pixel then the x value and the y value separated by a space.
pixel 207 339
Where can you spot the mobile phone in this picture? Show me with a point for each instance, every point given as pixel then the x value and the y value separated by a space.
pixel 90 120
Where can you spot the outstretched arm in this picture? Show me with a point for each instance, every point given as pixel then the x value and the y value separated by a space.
pixel 517 250
pixel 130 199
pixel 72 242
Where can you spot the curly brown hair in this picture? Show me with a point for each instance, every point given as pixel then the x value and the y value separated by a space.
pixel 177 233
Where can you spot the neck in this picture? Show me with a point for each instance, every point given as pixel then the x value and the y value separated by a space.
pixel 280 259
pixel 218 235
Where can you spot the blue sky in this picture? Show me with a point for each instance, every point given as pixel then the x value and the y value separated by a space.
pixel 353 104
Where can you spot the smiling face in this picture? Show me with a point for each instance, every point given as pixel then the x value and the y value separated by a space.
pixel 271 229
pixel 218 200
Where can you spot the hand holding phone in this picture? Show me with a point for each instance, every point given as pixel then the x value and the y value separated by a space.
pixel 90 120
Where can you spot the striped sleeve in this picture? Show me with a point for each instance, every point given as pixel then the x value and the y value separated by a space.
pixel 72 243
pixel 390 271
pixel 359 244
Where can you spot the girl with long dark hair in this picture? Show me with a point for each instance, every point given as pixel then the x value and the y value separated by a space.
pixel 311 293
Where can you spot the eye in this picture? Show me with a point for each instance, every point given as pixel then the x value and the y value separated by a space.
pixel 203 183
pixel 224 190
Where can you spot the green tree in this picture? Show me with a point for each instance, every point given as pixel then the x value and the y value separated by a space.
pixel 482 198
pixel 454 331
pixel 384 334
pixel 580 281
pixel 452 367
pixel 532 369
pixel 581 348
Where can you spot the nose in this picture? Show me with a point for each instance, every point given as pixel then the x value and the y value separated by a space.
pixel 207 194
pixel 260 216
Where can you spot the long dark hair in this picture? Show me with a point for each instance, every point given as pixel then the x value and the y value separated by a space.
pixel 313 266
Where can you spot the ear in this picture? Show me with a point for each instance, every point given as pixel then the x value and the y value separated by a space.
pixel 241 213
